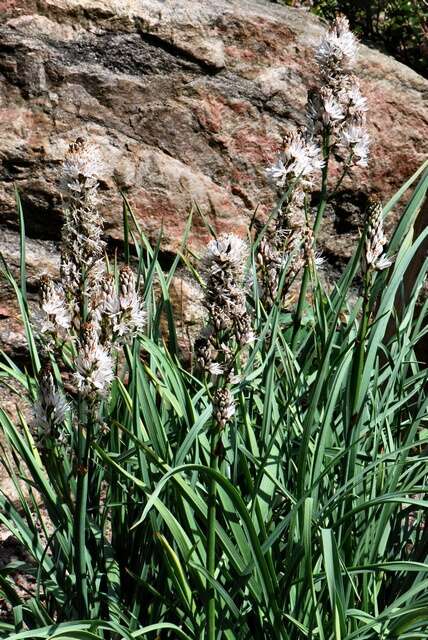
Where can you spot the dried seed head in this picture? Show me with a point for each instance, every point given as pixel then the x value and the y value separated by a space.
pixel 223 407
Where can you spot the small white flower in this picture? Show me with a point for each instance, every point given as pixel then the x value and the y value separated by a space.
pixel 54 305
pixel 305 157
pixel 332 110
pixel 94 365
pixel 357 102
pixel 235 379
pixel 277 173
pixel 384 262
pixel 216 369
pixel 299 160
pixel 356 138
pixel 51 407
pixel 319 259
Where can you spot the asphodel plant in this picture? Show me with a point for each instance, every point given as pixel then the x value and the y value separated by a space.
pixel 274 487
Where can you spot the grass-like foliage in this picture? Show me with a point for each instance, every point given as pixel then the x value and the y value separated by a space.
pixel 276 488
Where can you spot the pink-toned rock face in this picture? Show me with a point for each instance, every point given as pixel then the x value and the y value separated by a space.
pixel 187 103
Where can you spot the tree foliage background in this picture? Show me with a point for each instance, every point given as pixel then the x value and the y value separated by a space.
pixel 400 27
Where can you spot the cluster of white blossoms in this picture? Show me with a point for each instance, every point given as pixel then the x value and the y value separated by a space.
pixel 337 109
pixel 281 247
pixel 224 299
pixel 87 307
pixel 336 126
pixel 374 257
pixel 229 328
pixel 298 162
pixel 120 310
pixel 56 312
pixel 93 364
pixel 51 408
pixel 337 52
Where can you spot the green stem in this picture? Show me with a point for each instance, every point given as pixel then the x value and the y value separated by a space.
pixel 212 494
pixel 358 364
pixel 324 186
pixel 300 306
pixel 345 172
pixel 80 519
pixel 80 534
pixel 352 434
pixel 320 212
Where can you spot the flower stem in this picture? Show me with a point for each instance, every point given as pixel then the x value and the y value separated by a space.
pixel 358 364
pixel 80 520
pixel 80 533
pixel 320 212
pixel 352 435
pixel 212 494
pixel 324 186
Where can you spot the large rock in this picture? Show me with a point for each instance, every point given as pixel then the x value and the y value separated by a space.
pixel 188 102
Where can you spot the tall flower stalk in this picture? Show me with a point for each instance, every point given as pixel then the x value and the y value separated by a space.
pixel 86 316
pixel 336 126
pixel 227 331
pixel 374 259
pixel 281 246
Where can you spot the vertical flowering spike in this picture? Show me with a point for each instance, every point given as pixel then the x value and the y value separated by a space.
pixel 298 164
pixel 280 248
pixel 225 302
pixel 82 243
pixel 375 240
pixel 50 408
pixel 337 110
pixel 131 317
pixel 337 51
pixel 224 268
pixel 93 363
